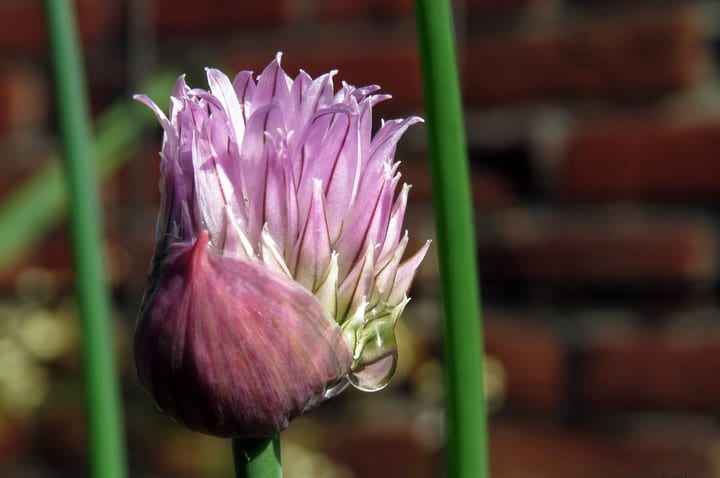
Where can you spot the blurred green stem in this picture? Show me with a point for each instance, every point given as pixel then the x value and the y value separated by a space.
pixel 257 457
pixel 466 428
pixel 105 436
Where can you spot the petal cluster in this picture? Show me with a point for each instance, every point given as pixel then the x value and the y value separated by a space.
pixel 289 207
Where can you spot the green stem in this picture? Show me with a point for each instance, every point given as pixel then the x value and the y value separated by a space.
pixel 466 427
pixel 105 436
pixel 257 457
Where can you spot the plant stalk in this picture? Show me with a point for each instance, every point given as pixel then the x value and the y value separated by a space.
pixel 257 457
pixel 105 434
pixel 466 428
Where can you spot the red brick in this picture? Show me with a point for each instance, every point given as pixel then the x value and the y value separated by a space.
pixel 479 7
pixel 544 451
pixel 333 10
pixel 647 158
pixel 350 9
pixel 182 17
pixel 489 190
pixel 533 358
pixel 22 25
pixel 584 249
pixel 396 448
pixel 23 96
pixel 635 368
pixel 631 57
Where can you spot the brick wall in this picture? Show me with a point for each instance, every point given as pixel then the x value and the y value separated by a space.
pixel 594 140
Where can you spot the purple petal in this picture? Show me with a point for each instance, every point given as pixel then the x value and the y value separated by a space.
pixel 209 190
pixel 273 86
pixel 313 247
pixel 387 273
pixel 276 197
pixel 255 154
pixel 271 255
pixel 355 288
pixel 385 141
pixel 221 87
pixel 405 275
pixel 328 152
pixel 170 131
pixel 361 227
pixel 394 229
pixel 236 244
pixel 310 96
pixel 244 87
pixel 180 90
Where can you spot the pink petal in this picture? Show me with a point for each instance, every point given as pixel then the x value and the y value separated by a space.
pixel 180 90
pixel 405 275
pixel 170 131
pixel 361 226
pixel 221 87
pixel 394 229
pixel 310 96
pixel 255 154
pixel 385 141
pixel 356 287
pixel 387 273
pixel 273 86
pixel 312 250
pixel 244 87
pixel 209 191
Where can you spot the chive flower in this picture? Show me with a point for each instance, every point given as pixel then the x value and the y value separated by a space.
pixel 278 274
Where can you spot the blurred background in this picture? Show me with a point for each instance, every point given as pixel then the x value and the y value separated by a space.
pixel 594 140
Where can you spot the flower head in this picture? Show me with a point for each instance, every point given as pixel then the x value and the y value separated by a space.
pixel 278 275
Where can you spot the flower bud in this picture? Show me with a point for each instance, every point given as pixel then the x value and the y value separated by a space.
pixel 278 273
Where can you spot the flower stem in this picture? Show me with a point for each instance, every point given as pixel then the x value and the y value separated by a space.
pixel 257 457
pixel 466 427
pixel 105 437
